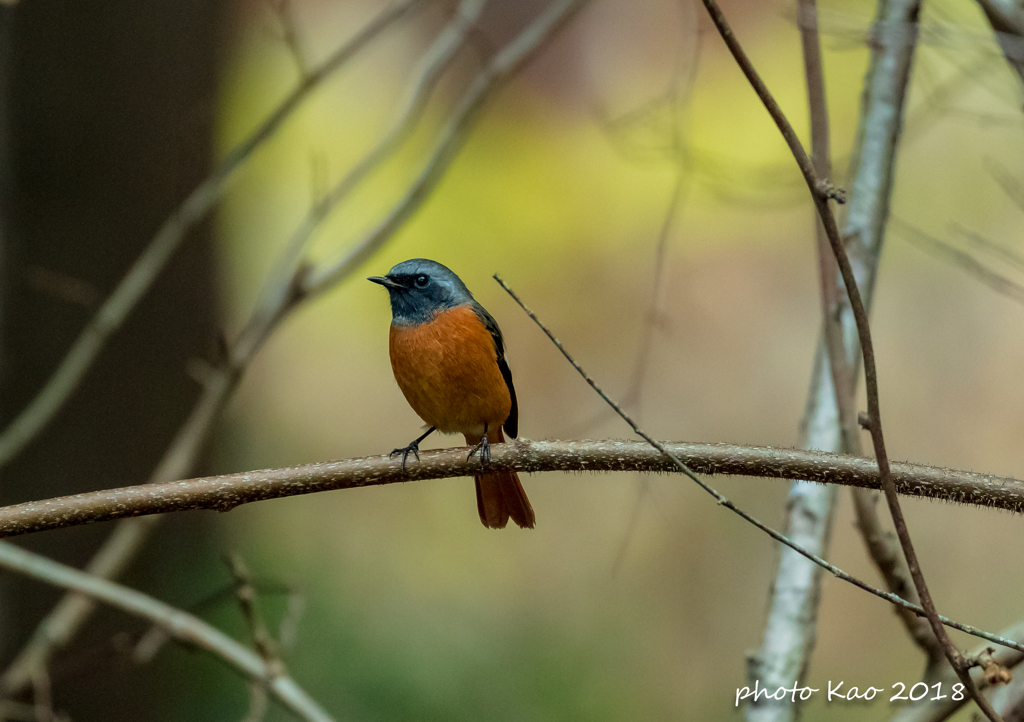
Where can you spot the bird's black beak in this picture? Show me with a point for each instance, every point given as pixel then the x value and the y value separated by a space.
pixel 384 281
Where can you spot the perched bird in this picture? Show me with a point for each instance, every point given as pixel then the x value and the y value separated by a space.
pixel 449 360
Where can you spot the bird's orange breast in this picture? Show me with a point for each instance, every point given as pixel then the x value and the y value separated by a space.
pixel 448 370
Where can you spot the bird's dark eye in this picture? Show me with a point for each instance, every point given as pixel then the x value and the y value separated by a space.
pixel 421 281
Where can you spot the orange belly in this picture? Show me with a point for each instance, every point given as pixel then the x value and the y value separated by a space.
pixel 448 370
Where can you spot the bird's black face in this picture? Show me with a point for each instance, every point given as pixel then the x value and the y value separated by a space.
pixel 420 289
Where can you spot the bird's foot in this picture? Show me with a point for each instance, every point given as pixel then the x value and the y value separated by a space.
pixel 413 448
pixel 484 447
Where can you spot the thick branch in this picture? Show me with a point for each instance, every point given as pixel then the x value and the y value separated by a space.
pixel 226 492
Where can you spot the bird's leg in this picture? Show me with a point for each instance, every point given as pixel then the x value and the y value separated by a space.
pixel 413 448
pixel 484 447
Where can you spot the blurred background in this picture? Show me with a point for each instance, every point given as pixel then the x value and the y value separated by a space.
pixel 635 597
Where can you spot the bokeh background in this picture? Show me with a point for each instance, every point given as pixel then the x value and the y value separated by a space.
pixel 636 597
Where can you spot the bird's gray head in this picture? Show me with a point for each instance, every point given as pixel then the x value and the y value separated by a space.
pixel 420 289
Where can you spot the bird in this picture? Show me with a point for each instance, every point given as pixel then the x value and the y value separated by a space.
pixel 448 356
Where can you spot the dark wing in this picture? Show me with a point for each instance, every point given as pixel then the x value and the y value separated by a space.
pixel 511 424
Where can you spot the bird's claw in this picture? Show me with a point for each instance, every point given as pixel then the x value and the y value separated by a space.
pixel 484 447
pixel 412 448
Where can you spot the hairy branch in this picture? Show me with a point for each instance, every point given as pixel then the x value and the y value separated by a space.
pixel 223 493
pixel 178 624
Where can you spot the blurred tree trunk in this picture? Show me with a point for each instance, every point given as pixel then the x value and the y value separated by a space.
pixel 106 121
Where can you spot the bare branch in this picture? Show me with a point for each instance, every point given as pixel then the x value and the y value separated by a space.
pixel 491 77
pixel 285 12
pixel 41 695
pixel 246 594
pixel 182 626
pixel 265 644
pixel 678 464
pixel 873 169
pixel 149 643
pixel 1009 700
pixel 965 261
pixel 65 619
pixel 223 493
pixel 257 703
pixel 280 289
pixel 795 594
pixel 935 710
pixel 672 144
pixel 1010 184
pixel 996 250
pixel 1007 20
pixel 288 629
pixel 147 267
pixel 872 421
pixel 11 711
pixel 829 422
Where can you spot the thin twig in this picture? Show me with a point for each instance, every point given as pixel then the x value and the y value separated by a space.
pixel 152 640
pixel 245 592
pixel 288 629
pixel 932 710
pixel 290 36
pixel 184 627
pixel 1009 700
pixel 279 290
pixel 1010 183
pixel 1007 21
pixel 649 114
pixel 136 282
pixel 42 698
pixel 653 318
pixel 879 132
pixel 666 451
pixel 258 706
pixel 265 644
pixel 670 103
pixel 11 711
pixel 996 250
pixel 875 155
pixel 65 619
pixel 821 191
pixel 843 372
pixel 965 261
pixel 489 79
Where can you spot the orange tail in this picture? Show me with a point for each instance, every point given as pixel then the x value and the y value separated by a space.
pixel 499 495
